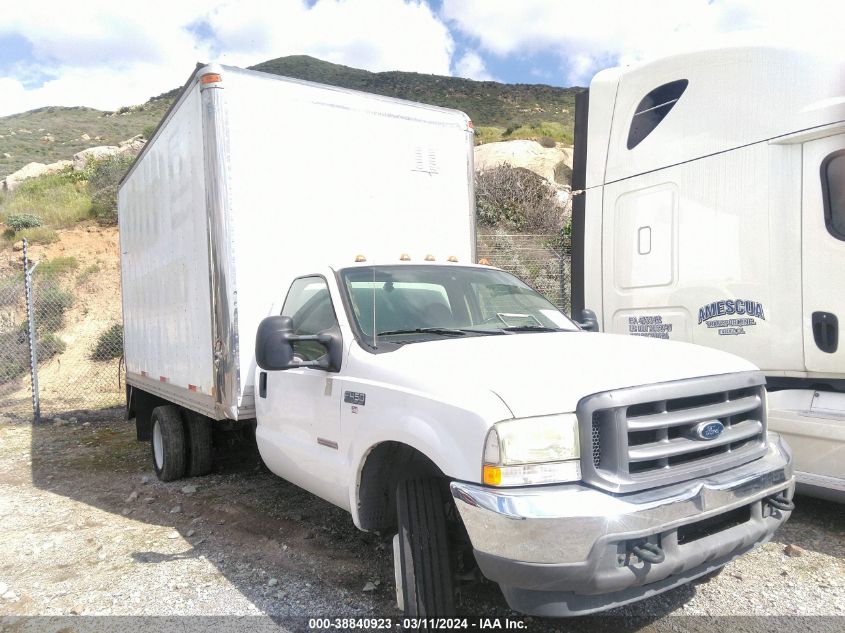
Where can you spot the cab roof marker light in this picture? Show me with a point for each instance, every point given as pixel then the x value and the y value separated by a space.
pixel 404 257
pixel 429 258
pixel 452 259
pixel 211 78
pixel 484 261
pixel 360 258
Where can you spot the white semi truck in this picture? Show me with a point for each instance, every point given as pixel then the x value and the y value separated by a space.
pixel 713 212
pixel 298 263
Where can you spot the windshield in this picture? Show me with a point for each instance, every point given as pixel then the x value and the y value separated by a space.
pixel 403 304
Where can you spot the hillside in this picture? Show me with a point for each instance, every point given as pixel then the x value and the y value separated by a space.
pixel 488 103
pixel 499 111
pixel 50 134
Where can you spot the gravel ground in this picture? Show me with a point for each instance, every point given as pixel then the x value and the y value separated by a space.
pixel 87 529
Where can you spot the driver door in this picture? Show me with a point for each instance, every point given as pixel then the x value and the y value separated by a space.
pixel 299 409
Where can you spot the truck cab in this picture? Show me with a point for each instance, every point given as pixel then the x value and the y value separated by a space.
pixel 712 212
pixel 449 376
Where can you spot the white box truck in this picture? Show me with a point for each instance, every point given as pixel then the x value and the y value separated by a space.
pixel 297 262
pixel 714 212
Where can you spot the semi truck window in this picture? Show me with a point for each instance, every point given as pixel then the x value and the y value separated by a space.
pixel 653 108
pixel 310 306
pixel 833 186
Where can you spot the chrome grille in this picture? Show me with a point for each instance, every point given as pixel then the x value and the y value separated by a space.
pixel 645 436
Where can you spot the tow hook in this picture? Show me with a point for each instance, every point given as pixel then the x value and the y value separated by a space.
pixel 649 553
pixel 781 503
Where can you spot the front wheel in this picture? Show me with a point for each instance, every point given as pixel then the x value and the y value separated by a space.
pixel 424 562
pixel 168 443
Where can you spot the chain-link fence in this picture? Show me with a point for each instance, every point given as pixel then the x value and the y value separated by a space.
pixel 541 261
pixel 74 316
pixel 15 393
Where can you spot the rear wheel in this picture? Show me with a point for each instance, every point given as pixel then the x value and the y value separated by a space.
pixel 424 561
pixel 198 444
pixel 168 443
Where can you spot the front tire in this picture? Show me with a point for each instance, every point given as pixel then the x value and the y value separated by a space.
pixel 425 567
pixel 168 443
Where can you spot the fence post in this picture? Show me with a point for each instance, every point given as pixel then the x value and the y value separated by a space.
pixel 33 348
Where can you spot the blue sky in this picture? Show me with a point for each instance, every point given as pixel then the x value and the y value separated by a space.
pixel 106 54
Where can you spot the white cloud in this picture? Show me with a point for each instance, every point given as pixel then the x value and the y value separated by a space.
pixel 107 54
pixel 583 37
pixel 471 66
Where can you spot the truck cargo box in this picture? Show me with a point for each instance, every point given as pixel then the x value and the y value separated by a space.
pixel 249 172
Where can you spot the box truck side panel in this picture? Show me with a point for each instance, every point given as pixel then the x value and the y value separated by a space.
pixel 823 235
pixel 164 264
pixel 718 266
pixel 368 176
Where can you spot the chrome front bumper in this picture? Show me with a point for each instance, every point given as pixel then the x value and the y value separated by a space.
pixel 561 550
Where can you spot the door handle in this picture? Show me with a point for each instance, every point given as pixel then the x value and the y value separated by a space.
pixel 826 331
pixel 262 384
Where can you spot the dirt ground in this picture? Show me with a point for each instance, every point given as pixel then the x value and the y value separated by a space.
pixel 87 529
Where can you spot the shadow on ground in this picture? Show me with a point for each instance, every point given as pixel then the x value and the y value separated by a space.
pixel 242 515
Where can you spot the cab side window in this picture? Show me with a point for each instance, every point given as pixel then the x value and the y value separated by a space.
pixel 833 186
pixel 310 307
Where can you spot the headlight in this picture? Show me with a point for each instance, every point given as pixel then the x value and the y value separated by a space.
pixel 532 451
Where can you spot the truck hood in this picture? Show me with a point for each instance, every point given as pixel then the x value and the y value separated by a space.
pixel 546 373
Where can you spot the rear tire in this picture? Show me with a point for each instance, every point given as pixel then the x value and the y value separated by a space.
pixel 168 443
pixel 424 553
pixel 198 443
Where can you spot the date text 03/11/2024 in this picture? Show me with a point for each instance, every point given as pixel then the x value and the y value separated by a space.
pixel 372 624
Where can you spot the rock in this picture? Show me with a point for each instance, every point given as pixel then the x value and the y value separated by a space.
pixel 83 158
pixel 132 496
pixel 6 154
pixel 77 610
pixel 9 595
pixel 149 500
pixel 125 512
pixel 794 550
pixel 60 422
pixel 73 420
pixel 3 588
pixel 30 170
pixel 86 424
pixel 48 138
pixel 176 509
pixel 544 161
pixel 145 480
pixel 173 535
pixel 17 246
pixel 369 587
pixel 84 137
pixel 273 582
pixel 190 533
pixel 189 489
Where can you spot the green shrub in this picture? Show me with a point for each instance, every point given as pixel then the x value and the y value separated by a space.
pixel 60 202
pixel 14 355
pixel 547 141
pixel 85 275
pixel 57 266
pixel 51 303
pixel 40 235
pixel 110 344
pixel 48 346
pixel 149 131
pixel 518 200
pixel 102 185
pixel 21 221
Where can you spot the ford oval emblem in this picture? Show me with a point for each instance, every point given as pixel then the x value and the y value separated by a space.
pixel 708 430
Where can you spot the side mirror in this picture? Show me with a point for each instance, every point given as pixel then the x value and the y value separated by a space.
pixel 273 349
pixel 274 346
pixel 588 321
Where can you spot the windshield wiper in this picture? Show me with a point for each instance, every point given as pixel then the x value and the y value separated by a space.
pixel 531 328
pixel 442 331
